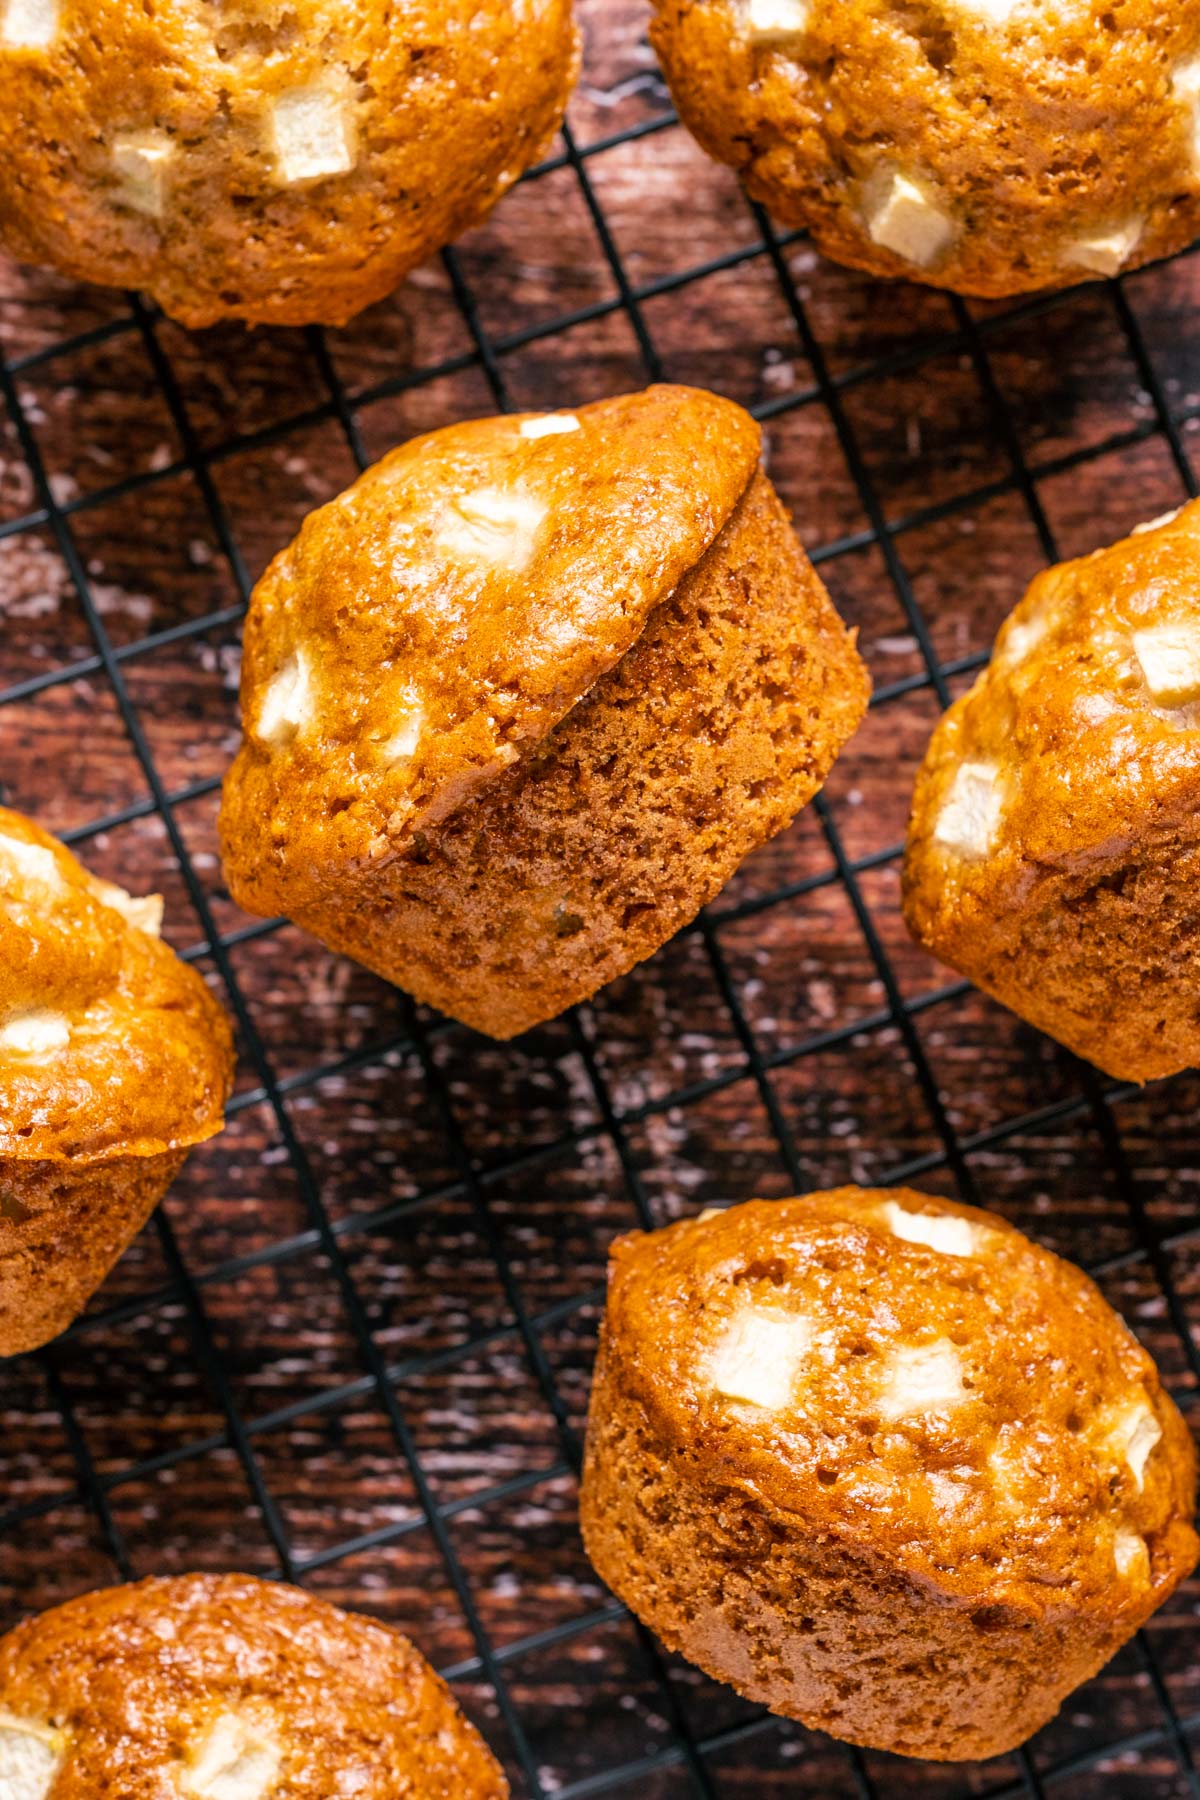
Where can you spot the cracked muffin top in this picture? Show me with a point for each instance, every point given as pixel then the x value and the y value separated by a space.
pixel 227 1688
pixel 282 161
pixel 431 625
pixel 1082 736
pixel 988 146
pixel 917 1378
pixel 109 1044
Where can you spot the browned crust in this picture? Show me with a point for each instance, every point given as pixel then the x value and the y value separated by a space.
pixel 132 1675
pixel 493 657
pixel 450 103
pixel 705 740
pixel 149 1064
pixel 1057 124
pixel 1083 918
pixel 92 1131
pixel 749 1543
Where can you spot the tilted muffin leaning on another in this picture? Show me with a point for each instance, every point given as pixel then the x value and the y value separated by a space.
pixel 521 700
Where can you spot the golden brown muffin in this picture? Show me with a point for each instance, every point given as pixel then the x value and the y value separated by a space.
pixel 220 1687
pixel 280 161
pixel 114 1060
pixel 882 1464
pixel 1054 848
pixel 987 146
pixel 520 701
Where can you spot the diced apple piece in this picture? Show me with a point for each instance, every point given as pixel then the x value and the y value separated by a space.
pixel 759 1356
pixel 550 425
pixel 1185 84
pixel 1132 1434
pixel 492 525
pixel 314 135
pixel 1157 524
pixel 35 1033
pixel 1107 252
pixel 1131 1554
pixel 145 911
pixel 771 22
pixel 937 1231
pixel 995 12
pixel 1022 636
pixel 29 24
pixel 972 810
pixel 141 159
pixel 29 1758
pixel 402 745
pixel 32 862
pixel 905 219
pixel 921 1378
pixel 236 1760
pixel 1170 661
pixel 287 704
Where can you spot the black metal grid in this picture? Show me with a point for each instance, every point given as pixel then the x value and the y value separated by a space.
pixel 694 1750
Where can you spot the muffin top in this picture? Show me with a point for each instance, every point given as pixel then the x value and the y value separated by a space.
pixel 226 1688
pixel 916 1379
pixel 282 160
pixel 1082 737
pixel 432 624
pixel 987 145
pixel 109 1045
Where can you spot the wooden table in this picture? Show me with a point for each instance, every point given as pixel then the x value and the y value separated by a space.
pixel 221 1405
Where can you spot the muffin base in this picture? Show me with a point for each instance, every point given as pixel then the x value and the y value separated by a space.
pixel 706 739
pixel 62 1228
pixel 1105 959
pixel 811 1628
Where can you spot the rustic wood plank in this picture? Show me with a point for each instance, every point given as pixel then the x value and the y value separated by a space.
pixel 149 1415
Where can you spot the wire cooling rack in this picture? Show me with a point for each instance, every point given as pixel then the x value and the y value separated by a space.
pixel 352 1349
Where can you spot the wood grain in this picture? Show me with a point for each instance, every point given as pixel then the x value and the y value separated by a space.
pixel 462 1178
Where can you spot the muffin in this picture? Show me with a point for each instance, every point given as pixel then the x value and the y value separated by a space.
pixel 286 162
pixel 114 1061
pixel 988 146
pixel 220 1687
pixel 882 1464
pixel 519 702
pixel 1054 847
